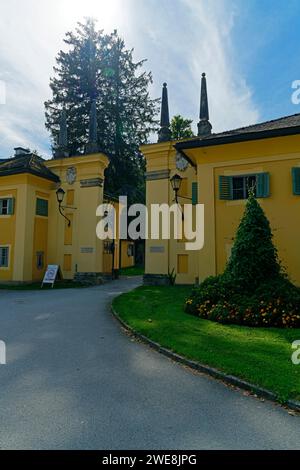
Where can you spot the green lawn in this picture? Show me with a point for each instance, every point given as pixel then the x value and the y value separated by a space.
pixel 132 271
pixel 261 356
pixel 37 286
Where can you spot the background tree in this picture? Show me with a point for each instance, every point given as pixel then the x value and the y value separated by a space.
pixel 98 66
pixel 181 127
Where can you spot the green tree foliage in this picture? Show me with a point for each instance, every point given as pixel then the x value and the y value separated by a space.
pixel 181 127
pixel 254 257
pixel 98 66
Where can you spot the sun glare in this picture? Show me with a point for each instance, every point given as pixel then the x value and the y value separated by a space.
pixel 104 11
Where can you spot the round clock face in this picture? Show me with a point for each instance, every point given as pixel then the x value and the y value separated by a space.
pixel 71 175
pixel 181 162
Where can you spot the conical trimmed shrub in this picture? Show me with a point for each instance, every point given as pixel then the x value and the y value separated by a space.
pixel 254 258
pixel 253 290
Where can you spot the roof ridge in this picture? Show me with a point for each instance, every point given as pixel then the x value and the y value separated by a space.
pixel 257 124
pixel 29 163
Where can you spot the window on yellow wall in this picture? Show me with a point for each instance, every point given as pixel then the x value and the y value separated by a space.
pixel 296 181
pixel 7 206
pixel 41 207
pixel 4 256
pixel 237 187
pixel 67 262
pixel 182 264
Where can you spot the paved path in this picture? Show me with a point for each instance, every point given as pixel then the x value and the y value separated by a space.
pixel 74 380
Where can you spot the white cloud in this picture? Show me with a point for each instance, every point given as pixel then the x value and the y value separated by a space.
pixel 31 34
pixel 230 97
pixel 181 38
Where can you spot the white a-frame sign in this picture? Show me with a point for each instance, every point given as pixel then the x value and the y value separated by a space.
pixel 52 273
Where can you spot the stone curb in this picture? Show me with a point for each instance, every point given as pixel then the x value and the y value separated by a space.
pixel 217 374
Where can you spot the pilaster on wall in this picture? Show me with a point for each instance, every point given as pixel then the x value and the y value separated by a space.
pixel 157 251
pixel 20 231
pixel 207 256
pixel 158 158
pixel 165 256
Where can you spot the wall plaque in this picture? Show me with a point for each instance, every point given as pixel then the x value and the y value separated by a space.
pixel 86 249
pixel 157 249
pixel 91 183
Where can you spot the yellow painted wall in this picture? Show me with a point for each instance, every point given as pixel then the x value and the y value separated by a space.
pixel 107 263
pixel 40 240
pixel 8 233
pixel 21 229
pixel 69 229
pixel 80 241
pixel 182 264
pixel 77 247
pixel 67 264
pixel 40 234
pixel 276 156
pixel 70 197
pixel 282 209
pixel 161 256
pixel 35 227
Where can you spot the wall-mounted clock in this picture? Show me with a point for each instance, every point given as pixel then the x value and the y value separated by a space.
pixel 181 162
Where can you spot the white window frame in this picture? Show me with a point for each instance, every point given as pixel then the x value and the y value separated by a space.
pixel 6 268
pixel 7 196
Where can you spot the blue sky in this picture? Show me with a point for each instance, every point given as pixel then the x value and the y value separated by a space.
pixel 249 50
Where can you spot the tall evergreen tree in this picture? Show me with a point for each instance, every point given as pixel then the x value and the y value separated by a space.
pixel 98 66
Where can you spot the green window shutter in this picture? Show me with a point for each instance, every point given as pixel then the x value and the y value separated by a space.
pixel 225 187
pixel 42 207
pixel 194 193
pixel 1 206
pixel 296 181
pixel 11 206
pixel 263 185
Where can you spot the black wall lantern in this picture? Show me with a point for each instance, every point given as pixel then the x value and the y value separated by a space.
pixel 60 194
pixel 176 184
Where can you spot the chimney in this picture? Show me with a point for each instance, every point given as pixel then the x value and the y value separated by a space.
pixel 21 151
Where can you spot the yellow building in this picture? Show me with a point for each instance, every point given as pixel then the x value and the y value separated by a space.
pixel 216 170
pixel 35 230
